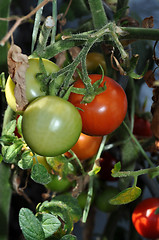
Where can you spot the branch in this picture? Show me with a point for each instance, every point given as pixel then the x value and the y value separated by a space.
pixel 21 20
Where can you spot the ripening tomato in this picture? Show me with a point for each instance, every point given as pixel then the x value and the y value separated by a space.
pixel 142 127
pixel 107 162
pixel 51 125
pixel 107 110
pixel 144 218
pixel 93 62
pixel 86 147
pixel 33 86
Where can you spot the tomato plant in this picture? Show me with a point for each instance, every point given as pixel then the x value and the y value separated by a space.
pixel 86 146
pixel 33 86
pixel 142 127
pixel 51 125
pixel 144 218
pixel 107 110
pixel 107 162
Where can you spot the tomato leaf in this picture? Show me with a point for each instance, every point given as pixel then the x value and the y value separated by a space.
pixel 117 168
pixel 40 174
pixel 11 152
pixel 7 139
pixel 1 158
pixel 69 237
pixel 19 125
pixel 59 164
pixel 49 222
pixel 126 196
pixel 30 225
pixel 10 128
pixel 2 81
pixel 60 209
pixel 72 206
pixel 27 161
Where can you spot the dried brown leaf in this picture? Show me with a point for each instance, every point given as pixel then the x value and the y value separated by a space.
pixel 149 78
pixel 17 65
pixel 148 22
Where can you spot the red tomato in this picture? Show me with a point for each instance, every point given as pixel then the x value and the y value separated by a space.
pixel 142 127
pixel 86 147
pixel 107 110
pixel 107 162
pixel 144 219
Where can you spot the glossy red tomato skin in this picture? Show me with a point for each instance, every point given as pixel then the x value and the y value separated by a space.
pixel 107 162
pixel 86 147
pixel 142 127
pixel 144 219
pixel 107 110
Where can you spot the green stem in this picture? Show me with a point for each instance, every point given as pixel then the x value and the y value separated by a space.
pixel 54 15
pixel 98 14
pixel 135 174
pixel 140 33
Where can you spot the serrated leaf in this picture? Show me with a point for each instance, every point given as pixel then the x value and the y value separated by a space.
pixel 27 161
pixel 59 165
pixel 12 151
pixel 58 208
pixel 68 237
pixel 30 225
pixel 40 174
pixel 10 128
pixel 126 196
pixel 71 204
pixel 49 222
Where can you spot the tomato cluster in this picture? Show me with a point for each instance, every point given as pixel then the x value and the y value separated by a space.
pixel 51 125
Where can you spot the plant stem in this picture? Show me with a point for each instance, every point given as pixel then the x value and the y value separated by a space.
pixel 140 33
pixel 98 14
pixel 54 15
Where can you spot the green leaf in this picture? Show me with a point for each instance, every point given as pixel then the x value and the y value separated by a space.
pixel 27 161
pixel 12 151
pixel 30 225
pixel 72 206
pixel 68 237
pixel 7 139
pixel 40 174
pixel 9 128
pixel 58 208
pixel 49 222
pixel 126 196
pixel 59 164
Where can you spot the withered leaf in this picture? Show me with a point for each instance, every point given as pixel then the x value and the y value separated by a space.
pixel 17 65
pixel 149 78
pixel 148 22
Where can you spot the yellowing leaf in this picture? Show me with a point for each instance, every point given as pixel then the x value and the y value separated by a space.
pixel 126 196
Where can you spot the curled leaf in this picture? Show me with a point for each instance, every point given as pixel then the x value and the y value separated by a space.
pixel 17 65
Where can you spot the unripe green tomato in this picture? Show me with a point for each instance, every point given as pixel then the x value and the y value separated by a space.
pixel 102 199
pixel 33 86
pixel 59 185
pixel 51 126
pixel 82 198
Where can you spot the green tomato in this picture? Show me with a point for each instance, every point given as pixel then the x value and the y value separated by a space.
pixel 103 197
pixel 51 126
pixel 33 86
pixel 58 185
